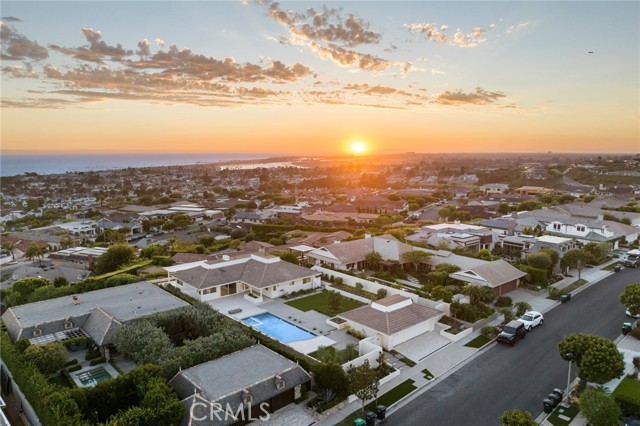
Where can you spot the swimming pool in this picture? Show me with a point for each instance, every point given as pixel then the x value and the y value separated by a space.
pixel 93 377
pixel 278 328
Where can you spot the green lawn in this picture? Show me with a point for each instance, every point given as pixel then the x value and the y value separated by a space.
pixel 612 266
pixel 570 412
pixel 427 374
pixel 629 388
pixel 388 399
pixel 320 303
pixel 478 342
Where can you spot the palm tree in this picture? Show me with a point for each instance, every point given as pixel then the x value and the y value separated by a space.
pixel 36 251
pixel 9 246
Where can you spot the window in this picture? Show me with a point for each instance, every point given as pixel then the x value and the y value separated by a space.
pixel 306 280
pixel 209 290
pixel 68 324
pixel 292 283
pixel 178 282
pixel 37 332
pixel 557 226
pixel 580 228
pixel 228 289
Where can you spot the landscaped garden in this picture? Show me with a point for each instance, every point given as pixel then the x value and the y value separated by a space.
pixel 327 302
pixel 566 413
pixel 478 342
pixel 388 399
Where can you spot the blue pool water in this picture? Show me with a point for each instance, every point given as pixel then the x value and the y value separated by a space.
pixel 278 328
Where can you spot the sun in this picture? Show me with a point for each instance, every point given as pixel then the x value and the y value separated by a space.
pixel 358 147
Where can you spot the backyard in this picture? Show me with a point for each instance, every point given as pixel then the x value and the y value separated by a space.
pixel 326 302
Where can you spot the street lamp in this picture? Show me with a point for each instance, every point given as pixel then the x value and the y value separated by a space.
pixel 570 356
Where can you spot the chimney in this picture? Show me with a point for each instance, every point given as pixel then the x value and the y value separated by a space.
pixel 75 300
pixel 226 257
pixel 367 235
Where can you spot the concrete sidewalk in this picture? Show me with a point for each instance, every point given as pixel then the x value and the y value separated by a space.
pixel 451 357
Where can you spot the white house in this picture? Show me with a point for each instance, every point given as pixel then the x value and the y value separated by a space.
pixel 392 320
pixel 257 276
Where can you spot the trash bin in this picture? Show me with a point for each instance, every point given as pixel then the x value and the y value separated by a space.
pixel 382 412
pixel 617 268
pixel 555 398
pixel 371 418
pixel 558 392
pixel 547 404
pixel 359 422
pixel 565 297
pixel 626 328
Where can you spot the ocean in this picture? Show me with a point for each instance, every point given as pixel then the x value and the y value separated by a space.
pixel 17 164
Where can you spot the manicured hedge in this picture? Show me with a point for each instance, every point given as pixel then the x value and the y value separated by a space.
pixel 53 406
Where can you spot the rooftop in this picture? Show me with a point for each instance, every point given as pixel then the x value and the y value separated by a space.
pixel 391 321
pixel 237 371
pixel 124 302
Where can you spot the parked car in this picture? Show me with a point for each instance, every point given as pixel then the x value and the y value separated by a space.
pixel 531 319
pixel 512 332
pixel 628 313
pixel 631 260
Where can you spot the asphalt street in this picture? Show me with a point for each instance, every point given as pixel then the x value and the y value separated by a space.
pixel 505 378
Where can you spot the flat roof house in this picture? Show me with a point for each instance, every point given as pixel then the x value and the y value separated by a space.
pixel 97 314
pixel 238 387
pixel 392 320
pixel 257 275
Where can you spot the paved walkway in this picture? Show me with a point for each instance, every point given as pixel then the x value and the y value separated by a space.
pixel 448 358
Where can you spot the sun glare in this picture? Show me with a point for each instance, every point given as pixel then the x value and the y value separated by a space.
pixel 358 147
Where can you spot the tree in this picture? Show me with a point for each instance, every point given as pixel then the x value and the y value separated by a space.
pixel 576 258
pixel 416 257
pixel 115 257
pixel 517 418
pixel 333 301
pixel 553 255
pixel 599 408
pixel 597 251
pixel 48 358
pixel 9 246
pixel 363 382
pixel 630 298
pixel 373 260
pixel 35 251
pixel 503 208
pixel 508 314
pixel 331 375
pixel 539 260
pixel 597 358
pixel 485 254
pixel 478 294
pixel 521 308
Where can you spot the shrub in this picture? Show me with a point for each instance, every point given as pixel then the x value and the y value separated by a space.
pixel 504 301
pixel 97 361
pixel 71 362
pixel 48 358
pixel 488 331
pixel 74 368
pixel 629 406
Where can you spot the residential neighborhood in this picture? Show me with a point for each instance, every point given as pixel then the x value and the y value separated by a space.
pixel 271 294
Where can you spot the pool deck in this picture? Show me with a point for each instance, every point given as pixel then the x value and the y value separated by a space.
pixel 74 375
pixel 312 321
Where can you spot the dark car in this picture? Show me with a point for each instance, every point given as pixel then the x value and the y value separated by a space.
pixel 512 332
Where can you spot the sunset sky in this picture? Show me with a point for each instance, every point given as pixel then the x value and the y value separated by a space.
pixel 311 78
